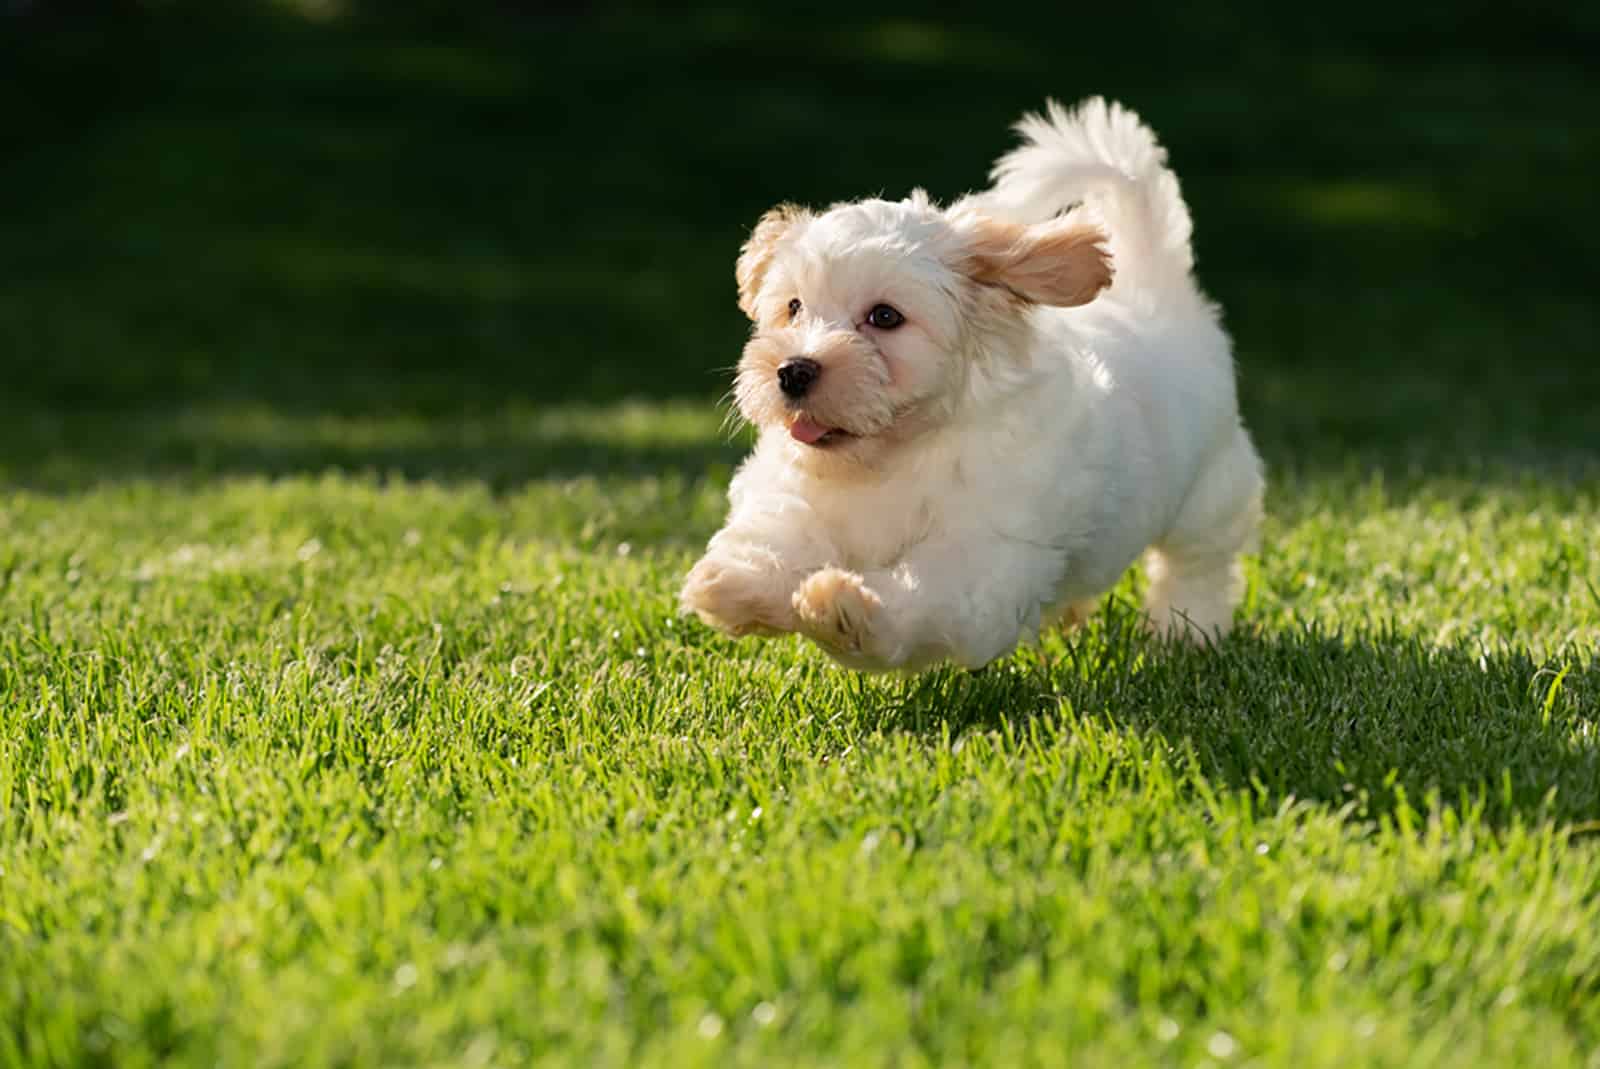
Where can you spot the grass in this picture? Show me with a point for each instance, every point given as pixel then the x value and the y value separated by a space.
pixel 361 417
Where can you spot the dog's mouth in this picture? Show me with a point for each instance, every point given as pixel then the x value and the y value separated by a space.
pixel 807 431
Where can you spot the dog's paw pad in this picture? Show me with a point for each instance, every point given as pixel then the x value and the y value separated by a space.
pixel 837 608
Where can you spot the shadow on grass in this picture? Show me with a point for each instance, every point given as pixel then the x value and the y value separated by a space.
pixel 1364 722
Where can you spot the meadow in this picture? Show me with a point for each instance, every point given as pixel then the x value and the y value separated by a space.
pixel 361 416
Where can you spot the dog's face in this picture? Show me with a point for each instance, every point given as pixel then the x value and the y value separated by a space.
pixel 876 321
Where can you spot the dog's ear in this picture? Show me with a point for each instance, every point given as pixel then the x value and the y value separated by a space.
pixel 756 256
pixel 1060 263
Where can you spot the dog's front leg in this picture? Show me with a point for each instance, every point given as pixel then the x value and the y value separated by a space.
pixel 965 603
pixel 745 583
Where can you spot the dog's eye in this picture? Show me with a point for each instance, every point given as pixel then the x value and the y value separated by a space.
pixel 794 307
pixel 884 318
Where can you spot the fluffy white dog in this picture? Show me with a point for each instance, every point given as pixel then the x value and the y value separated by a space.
pixel 974 419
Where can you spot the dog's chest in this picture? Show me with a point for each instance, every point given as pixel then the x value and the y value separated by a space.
pixel 875 527
pixel 884 545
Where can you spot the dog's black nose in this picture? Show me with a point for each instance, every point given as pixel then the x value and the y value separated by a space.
pixel 796 375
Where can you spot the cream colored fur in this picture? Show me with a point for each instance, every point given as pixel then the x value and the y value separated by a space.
pixel 1059 400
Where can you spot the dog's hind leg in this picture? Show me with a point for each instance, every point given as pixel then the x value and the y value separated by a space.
pixel 1194 571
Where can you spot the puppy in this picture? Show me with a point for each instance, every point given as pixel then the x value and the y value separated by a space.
pixel 974 418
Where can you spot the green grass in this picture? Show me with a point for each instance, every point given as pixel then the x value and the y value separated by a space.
pixel 361 417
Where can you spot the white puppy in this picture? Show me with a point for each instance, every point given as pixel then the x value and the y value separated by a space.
pixel 974 419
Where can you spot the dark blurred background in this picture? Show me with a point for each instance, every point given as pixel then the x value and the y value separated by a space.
pixel 224 223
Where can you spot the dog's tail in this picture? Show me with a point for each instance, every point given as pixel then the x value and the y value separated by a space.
pixel 1102 156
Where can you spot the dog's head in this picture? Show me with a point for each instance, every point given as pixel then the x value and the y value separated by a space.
pixel 876 321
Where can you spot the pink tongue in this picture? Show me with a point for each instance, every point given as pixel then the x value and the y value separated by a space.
pixel 807 430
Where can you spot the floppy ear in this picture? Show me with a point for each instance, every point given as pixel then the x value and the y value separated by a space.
pixel 756 256
pixel 1060 263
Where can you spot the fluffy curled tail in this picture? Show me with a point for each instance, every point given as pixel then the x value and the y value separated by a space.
pixel 1102 156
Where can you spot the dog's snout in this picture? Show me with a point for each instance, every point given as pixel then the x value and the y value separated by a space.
pixel 796 374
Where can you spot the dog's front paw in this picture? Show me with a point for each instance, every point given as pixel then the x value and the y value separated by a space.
pixel 839 610
pixel 733 598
